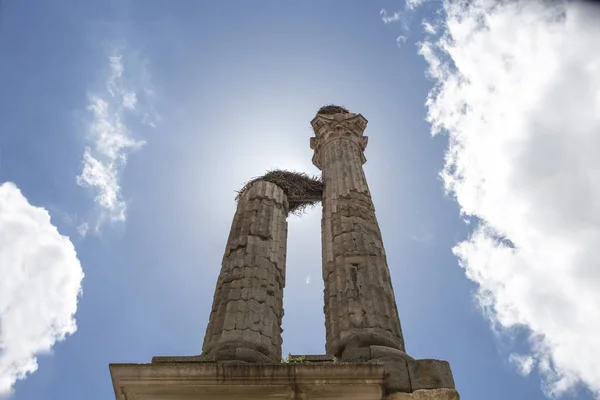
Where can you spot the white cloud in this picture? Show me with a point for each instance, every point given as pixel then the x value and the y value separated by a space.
pixel 111 143
pixel 387 19
pixel 428 28
pixel 518 92
pixel 400 40
pixel 40 281
pixel 412 4
pixel 404 17
pixel 308 280
pixel 523 363
pixel 129 100
pixel 83 229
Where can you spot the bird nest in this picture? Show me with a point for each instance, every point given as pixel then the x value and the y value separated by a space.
pixel 332 109
pixel 302 191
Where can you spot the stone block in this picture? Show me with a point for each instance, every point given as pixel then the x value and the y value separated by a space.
pixel 235 293
pixel 266 343
pixel 235 380
pixel 219 321
pixel 251 337
pixel 232 362
pixel 430 374
pixel 397 377
pixel 183 359
pixel 242 306
pixel 258 294
pixel 400 396
pixel 436 394
pixel 229 321
pixel 272 302
pixel 231 336
pixel 252 319
pixel 320 358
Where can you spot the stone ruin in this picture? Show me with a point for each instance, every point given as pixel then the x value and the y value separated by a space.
pixel 241 354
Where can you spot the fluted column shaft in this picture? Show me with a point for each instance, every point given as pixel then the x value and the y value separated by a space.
pixel 245 321
pixel 360 308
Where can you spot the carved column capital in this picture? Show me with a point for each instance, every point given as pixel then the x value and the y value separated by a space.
pixel 341 126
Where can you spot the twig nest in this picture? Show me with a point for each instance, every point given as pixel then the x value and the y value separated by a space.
pixel 302 191
pixel 332 109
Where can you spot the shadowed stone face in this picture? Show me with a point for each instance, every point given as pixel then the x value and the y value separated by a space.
pixel 245 320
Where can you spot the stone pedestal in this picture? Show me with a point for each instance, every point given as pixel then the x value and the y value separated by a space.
pixel 314 378
pixel 245 320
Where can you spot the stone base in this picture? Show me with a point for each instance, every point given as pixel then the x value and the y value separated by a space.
pixel 402 372
pixel 176 379
pixel 406 375
pixel 308 377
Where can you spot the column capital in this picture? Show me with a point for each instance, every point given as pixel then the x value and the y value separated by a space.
pixel 340 126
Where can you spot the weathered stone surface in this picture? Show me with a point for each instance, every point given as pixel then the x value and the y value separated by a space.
pixel 384 351
pixel 397 376
pixel 357 337
pixel 236 380
pixel 245 321
pixel 182 359
pixel 252 356
pixel 430 374
pixel 356 354
pixel 432 394
pixel 314 357
pixel 360 307
pixel 233 362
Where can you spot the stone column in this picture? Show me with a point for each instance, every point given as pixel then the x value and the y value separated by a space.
pixel 360 308
pixel 245 321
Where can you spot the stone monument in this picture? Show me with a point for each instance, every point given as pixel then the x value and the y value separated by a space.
pixel 241 356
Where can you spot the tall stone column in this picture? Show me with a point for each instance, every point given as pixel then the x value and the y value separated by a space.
pixel 360 308
pixel 245 321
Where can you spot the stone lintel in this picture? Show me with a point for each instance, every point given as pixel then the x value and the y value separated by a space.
pixel 215 381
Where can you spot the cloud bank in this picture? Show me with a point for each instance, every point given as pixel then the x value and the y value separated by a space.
pixel 111 144
pixel 517 90
pixel 40 281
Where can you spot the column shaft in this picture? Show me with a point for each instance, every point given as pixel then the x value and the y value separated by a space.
pixel 245 320
pixel 360 308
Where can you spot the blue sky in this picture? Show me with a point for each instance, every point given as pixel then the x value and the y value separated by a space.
pixel 132 123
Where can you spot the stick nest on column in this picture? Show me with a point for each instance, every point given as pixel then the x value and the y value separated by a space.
pixel 332 109
pixel 303 191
